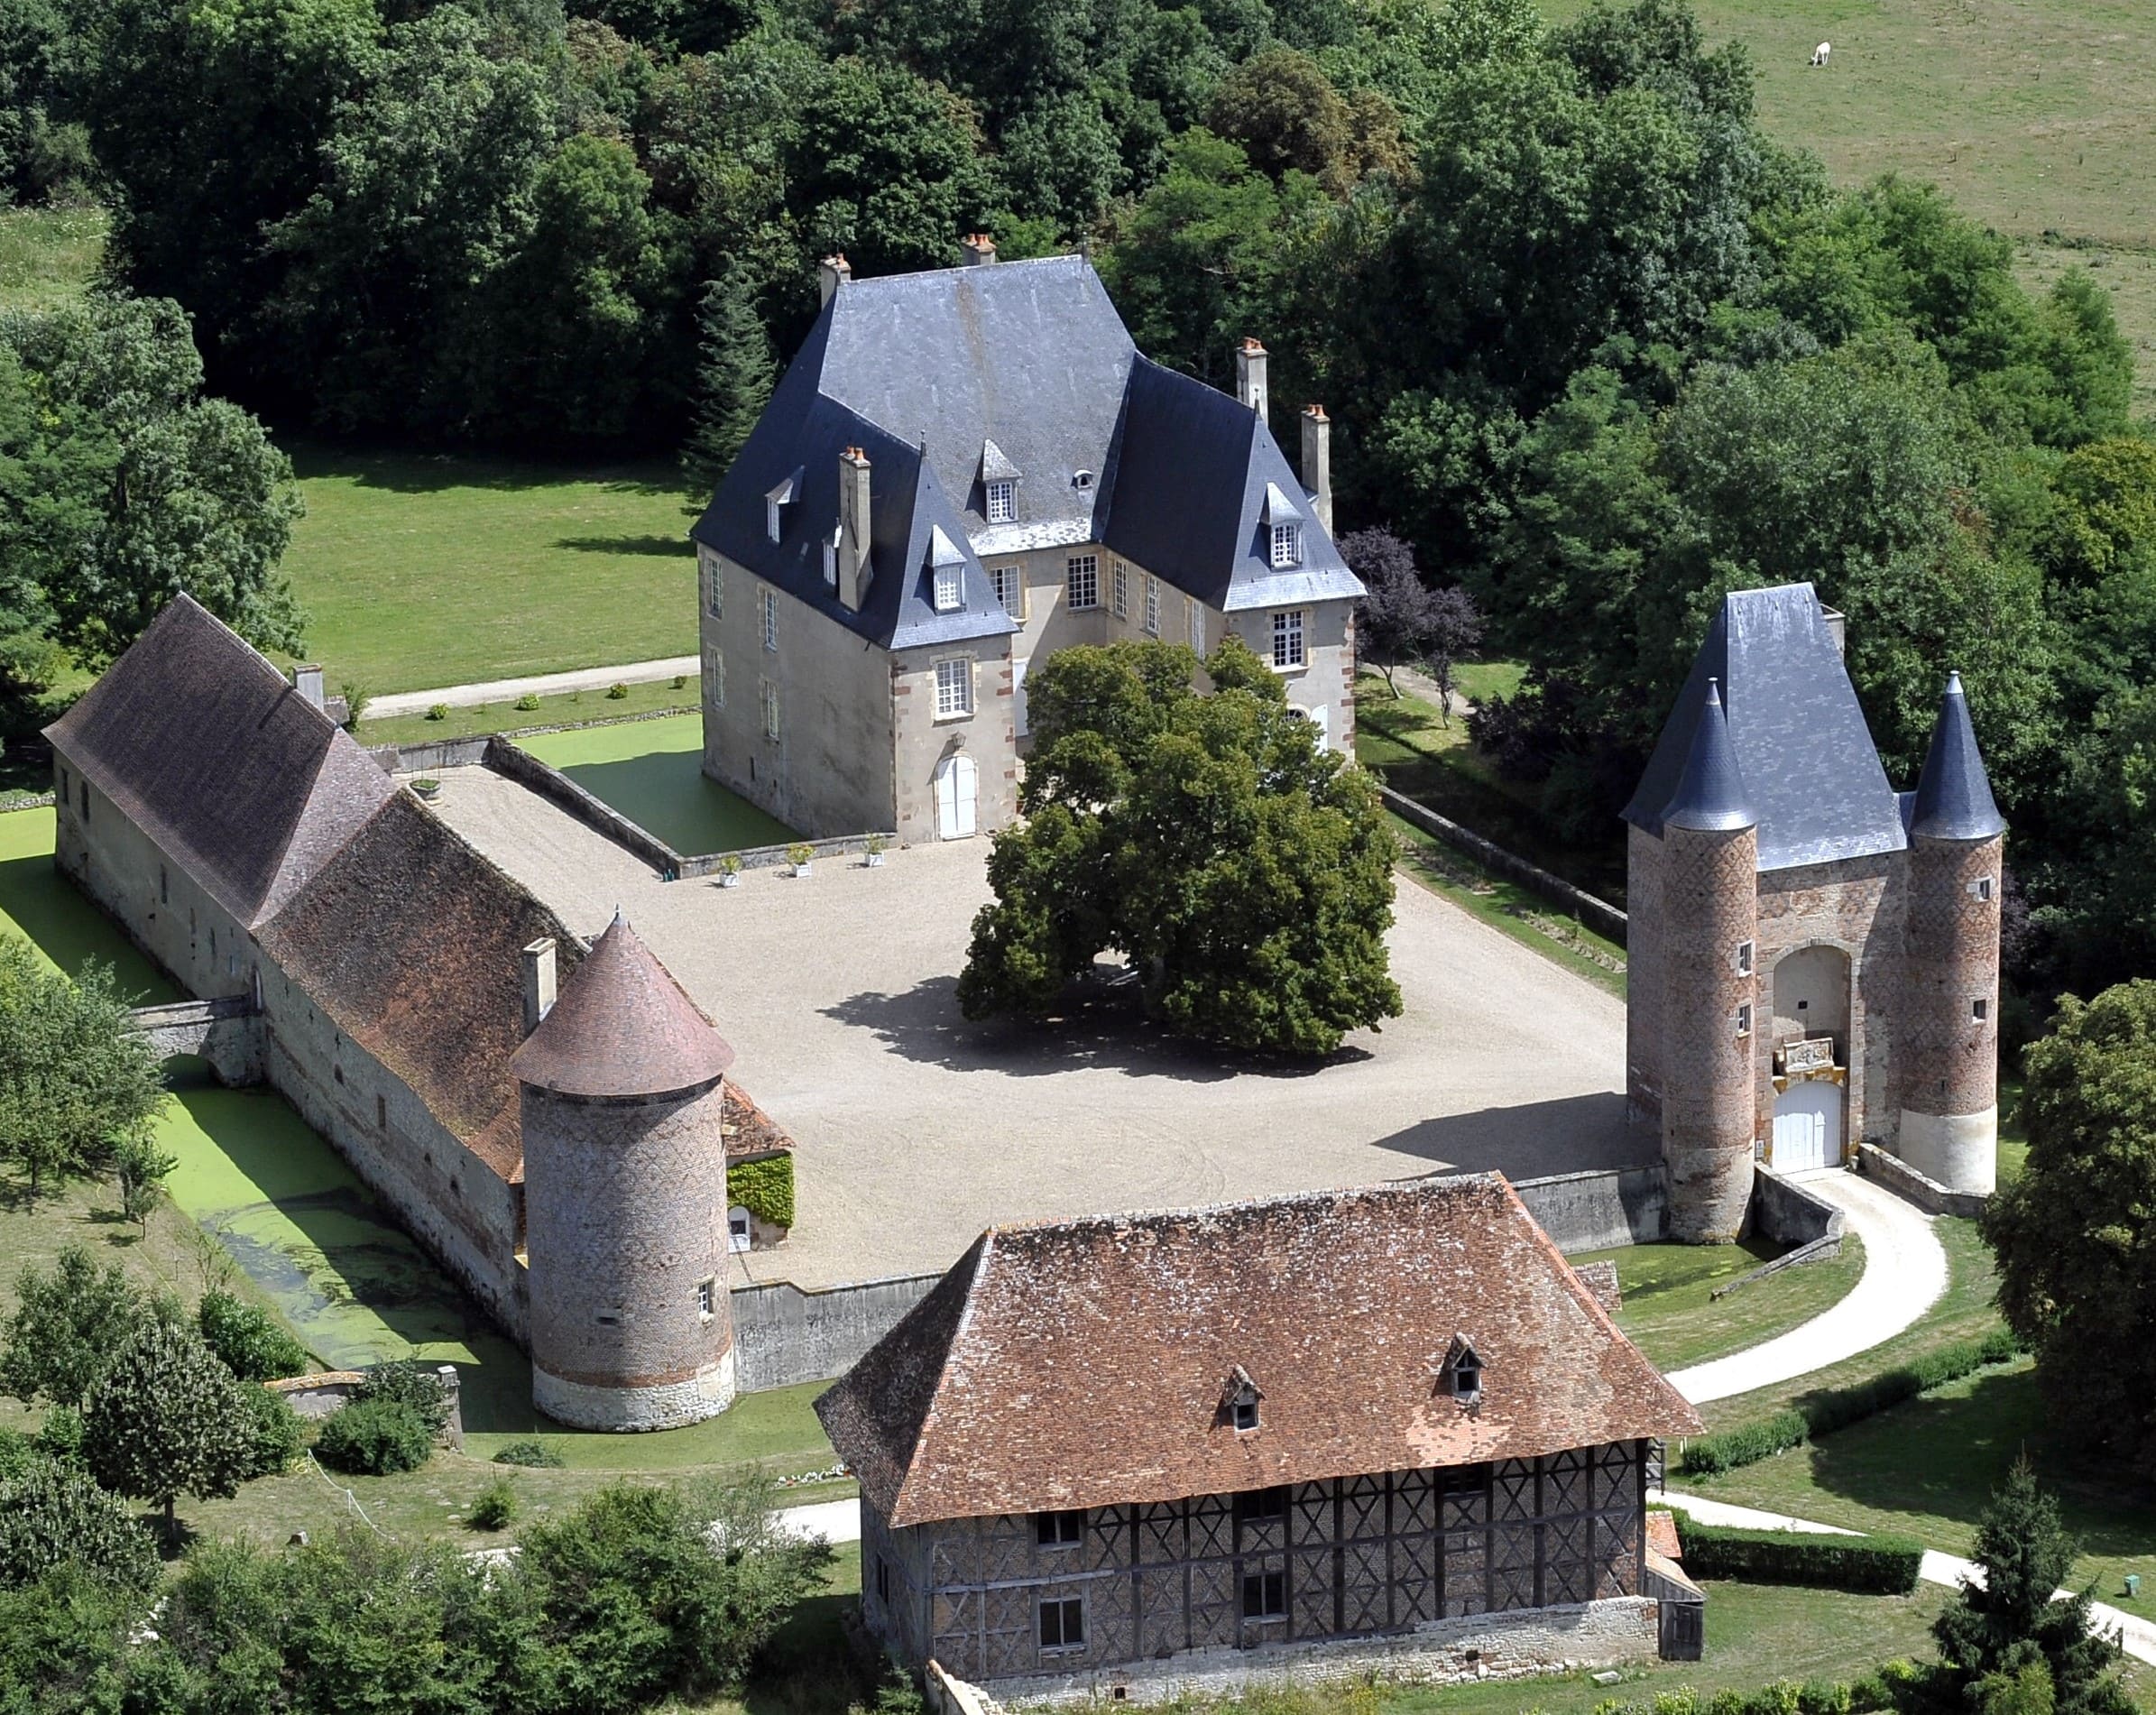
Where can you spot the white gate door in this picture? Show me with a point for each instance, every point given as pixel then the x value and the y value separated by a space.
pixel 1321 718
pixel 1807 1127
pixel 956 794
pixel 1018 696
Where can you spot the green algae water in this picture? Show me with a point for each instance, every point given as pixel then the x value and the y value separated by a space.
pixel 652 772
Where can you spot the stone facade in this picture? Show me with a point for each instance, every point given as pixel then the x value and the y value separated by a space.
pixel 1383 1556
pixel 627 1225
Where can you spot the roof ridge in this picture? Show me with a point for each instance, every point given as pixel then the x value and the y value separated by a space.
pixel 986 1246
pixel 1132 1217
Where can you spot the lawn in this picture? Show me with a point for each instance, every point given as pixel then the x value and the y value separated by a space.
pixel 2039 117
pixel 48 256
pixel 1429 759
pixel 1672 1316
pixel 563 708
pixel 422 570
pixel 652 772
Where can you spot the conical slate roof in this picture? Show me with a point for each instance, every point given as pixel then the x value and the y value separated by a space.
pixel 621 1028
pixel 1953 794
pixel 1710 794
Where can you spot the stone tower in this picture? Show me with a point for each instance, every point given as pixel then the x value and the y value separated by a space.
pixel 1950 1027
pixel 622 1085
pixel 1710 931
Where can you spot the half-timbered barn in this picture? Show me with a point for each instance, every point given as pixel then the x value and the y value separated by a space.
pixel 1120 1455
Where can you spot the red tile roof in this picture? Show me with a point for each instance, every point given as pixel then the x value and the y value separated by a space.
pixel 1083 1364
pixel 621 1028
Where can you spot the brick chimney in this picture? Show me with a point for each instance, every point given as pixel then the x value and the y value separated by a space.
pixel 853 566
pixel 308 682
pixel 1317 462
pixel 538 983
pixel 832 273
pixel 1249 375
pixel 979 248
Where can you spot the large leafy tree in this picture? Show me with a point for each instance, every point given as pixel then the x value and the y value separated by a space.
pixel 2013 1642
pixel 1244 874
pixel 68 1323
pixel 2077 1252
pixel 1401 621
pixel 165 1417
pixel 75 1083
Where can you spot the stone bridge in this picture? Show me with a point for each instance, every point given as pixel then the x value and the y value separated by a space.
pixel 226 1032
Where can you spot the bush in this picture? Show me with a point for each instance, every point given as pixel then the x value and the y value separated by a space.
pixel 1784 1697
pixel 52 1513
pixel 615 693
pixel 437 711
pixel 278 1435
pixel 495 1507
pixel 528 702
pixel 1832 1409
pixel 680 681
pixel 1869 1565
pixel 409 1383
pixel 533 1452
pixel 375 1438
pixel 765 1188
pixel 249 1341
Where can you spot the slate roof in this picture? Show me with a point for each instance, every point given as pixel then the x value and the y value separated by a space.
pixel 209 750
pixel 1953 798
pixel 1811 771
pixel 1710 794
pixel 410 943
pixel 1086 1363
pixel 949 377
pixel 622 1027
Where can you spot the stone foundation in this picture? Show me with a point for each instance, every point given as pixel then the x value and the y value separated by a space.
pixel 1957 1151
pixel 1474 1646
pixel 667 1406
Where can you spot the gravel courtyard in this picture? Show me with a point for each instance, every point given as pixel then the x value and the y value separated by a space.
pixel 916 1129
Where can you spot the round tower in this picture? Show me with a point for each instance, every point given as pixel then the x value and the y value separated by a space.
pixel 1710 927
pixel 625 1198
pixel 1946 1039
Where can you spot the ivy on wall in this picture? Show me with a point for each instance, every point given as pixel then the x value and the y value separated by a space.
pixel 764 1187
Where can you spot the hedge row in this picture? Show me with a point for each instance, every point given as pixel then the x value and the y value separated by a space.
pixel 1833 1409
pixel 1869 1565
pixel 1877 1691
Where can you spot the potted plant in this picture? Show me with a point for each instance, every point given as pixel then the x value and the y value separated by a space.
pixel 799 854
pixel 426 788
pixel 873 847
pixel 730 869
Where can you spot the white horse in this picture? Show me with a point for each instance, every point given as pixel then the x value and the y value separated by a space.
pixel 1820 53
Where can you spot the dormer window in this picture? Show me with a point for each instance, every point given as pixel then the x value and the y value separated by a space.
pixel 1239 1399
pixel 1463 1373
pixel 1287 545
pixel 999 484
pixel 770 517
pixel 774 500
pixel 947 569
pixel 950 589
pixel 1081 480
pixel 1002 501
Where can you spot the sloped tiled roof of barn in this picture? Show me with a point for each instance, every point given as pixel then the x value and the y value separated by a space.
pixel 1084 1363
pixel 206 747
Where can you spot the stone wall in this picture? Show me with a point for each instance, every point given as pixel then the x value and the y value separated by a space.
pixel 1354 1557
pixel 625 1205
pixel 1787 1214
pixel 1600 1210
pixel 786 1336
pixel 922 740
pixel 1487 1646
pixel 1913 1187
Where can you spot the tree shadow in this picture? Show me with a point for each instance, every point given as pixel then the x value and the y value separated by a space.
pixel 402 471
pixel 1969 1441
pixel 1567 1134
pixel 1100 1026
pixel 65 927
pixel 813 1665
pixel 667 546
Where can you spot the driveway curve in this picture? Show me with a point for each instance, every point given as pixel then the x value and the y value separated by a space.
pixel 1904 1275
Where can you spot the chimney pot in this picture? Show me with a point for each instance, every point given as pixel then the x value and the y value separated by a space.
pixel 832 273
pixel 308 682
pixel 538 983
pixel 1317 462
pixel 1249 376
pixel 1836 626
pixel 980 249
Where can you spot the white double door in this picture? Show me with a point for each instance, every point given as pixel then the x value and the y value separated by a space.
pixel 957 797
pixel 1808 1127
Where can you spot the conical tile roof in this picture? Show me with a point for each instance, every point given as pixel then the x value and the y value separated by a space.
pixel 621 1028
pixel 1953 794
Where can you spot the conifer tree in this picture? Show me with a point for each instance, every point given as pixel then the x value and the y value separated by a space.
pixel 734 381
pixel 2005 1643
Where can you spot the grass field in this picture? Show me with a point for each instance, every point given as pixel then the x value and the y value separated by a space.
pixel 2039 117
pixel 1671 1314
pixel 417 571
pixel 564 708
pixel 652 772
pixel 48 256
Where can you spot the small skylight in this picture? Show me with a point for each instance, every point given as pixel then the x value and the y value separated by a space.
pixel 1239 1399
pixel 1463 1372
